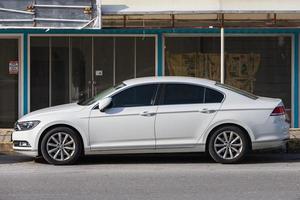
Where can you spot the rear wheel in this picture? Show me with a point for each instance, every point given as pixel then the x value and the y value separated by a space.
pixel 61 146
pixel 228 144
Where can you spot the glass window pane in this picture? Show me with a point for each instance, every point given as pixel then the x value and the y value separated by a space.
pixel 103 63
pixel 8 83
pixel 39 73
pixel 145 56
pixel 183 94
pixel 124 59
pixel 260 65
pixel 193 56
pixel 136 96
pixel 213 96
pixel 81 68
pixel 59 70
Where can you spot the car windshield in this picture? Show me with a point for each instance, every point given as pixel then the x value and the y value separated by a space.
pixel 90 101
pixel 239 91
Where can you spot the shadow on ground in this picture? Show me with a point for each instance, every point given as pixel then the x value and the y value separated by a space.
pixel 11 157
pixel 187 158
pixel 182 158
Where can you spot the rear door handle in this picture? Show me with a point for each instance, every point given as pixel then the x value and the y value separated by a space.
pixel 147 113
pixel 206 111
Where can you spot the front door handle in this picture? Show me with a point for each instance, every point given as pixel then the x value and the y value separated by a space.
pixel 147 113
pixel 207 111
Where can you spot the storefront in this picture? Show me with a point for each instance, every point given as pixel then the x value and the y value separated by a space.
pixel 41 67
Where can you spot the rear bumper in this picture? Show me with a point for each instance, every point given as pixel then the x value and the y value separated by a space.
pixel 271 144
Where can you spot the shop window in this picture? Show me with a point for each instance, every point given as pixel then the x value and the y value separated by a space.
pixel 124 58
pixel 145 56
pixel 68 69
pixel 59 70
pixel 260 65
pixel 39 72
pixel 81 84
pixel 103 63
pixel 9 70
pixel 193 56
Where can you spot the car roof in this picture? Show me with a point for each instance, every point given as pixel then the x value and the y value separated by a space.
pixel 169 79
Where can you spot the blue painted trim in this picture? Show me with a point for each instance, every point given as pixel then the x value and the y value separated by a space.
pixel 296 80
pixel 160 50
pixel 25 74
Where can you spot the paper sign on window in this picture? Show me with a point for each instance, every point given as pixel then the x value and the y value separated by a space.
pixel 13 67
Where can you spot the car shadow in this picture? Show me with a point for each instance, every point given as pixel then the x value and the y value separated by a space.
pixel 12 157
pixel 173 158
pixel 185 158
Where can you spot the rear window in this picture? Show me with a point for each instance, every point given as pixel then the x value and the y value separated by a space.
pixel 213 96
pixel 239 91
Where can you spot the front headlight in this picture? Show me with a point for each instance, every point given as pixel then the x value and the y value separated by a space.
pixel 27 125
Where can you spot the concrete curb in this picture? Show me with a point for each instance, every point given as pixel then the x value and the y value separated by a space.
pixel 5 135
pixel 6 147
pixel 5 140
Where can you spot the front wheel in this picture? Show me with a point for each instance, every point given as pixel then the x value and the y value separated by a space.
pixel 61 146
pixel 228 145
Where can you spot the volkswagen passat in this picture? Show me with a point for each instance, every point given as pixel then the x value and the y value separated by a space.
pixel 156 115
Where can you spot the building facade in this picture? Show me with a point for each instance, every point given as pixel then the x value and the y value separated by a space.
pixel 44 64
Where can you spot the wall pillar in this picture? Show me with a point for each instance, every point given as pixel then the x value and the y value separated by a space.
pixel 160 51
pixel 25 73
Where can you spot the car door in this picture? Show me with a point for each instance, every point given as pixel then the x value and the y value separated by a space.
pixel 128 123
pixel 184 113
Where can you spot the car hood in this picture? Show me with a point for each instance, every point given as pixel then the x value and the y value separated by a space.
pixel 65 108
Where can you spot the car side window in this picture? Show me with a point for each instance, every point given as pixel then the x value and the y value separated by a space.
pixel 142 95
pixel 182 94
pixel 213 96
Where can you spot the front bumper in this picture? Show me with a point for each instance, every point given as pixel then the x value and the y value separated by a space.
pixel 28 136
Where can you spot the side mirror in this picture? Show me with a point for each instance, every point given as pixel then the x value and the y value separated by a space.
pixel 104 103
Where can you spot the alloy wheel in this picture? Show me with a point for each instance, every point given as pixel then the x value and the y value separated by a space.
pixel 60 146
pixel 228 145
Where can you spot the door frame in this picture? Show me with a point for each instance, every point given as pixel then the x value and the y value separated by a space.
pixel 20 91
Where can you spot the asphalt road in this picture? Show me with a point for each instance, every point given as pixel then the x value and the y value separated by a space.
pixel 172 177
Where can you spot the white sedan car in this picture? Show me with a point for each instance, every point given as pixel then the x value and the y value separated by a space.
pixel 156 115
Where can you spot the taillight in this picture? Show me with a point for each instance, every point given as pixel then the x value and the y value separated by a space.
pixel 279 110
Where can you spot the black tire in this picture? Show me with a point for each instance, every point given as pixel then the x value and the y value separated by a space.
pixel 234 157
pixel 76 144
